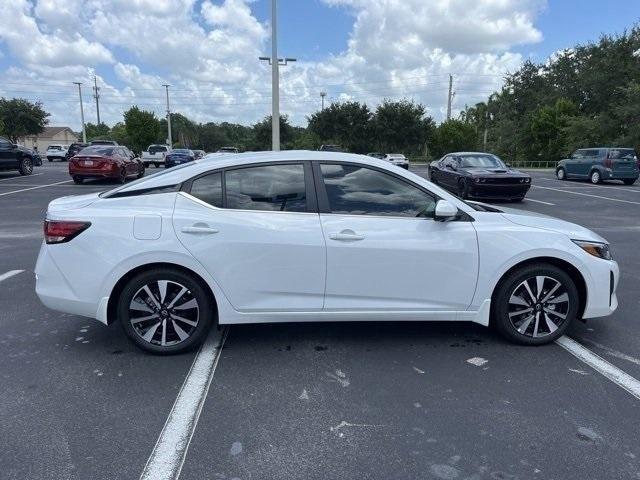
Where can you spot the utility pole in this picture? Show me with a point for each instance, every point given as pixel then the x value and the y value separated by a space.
pixel 450 97
pixel 275 63
pixel 96 95
pixel 322 95
pixel 486 124
pixel 166 86
pixel 84 130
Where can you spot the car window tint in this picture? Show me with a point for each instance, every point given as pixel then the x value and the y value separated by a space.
pixel 356 190
pixel 269 187
pixel 208 189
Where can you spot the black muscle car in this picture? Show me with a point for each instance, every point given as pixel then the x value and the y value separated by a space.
pixel 480 176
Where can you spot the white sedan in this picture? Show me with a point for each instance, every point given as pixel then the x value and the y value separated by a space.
pixel 312 236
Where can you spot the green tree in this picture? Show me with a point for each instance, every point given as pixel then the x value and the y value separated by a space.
pixel 547 125
pixel 453 136
pixel 262 134
pixel 20 117
pixel 401 127
pixel 346 124
pixel 141 127
pixel 97 131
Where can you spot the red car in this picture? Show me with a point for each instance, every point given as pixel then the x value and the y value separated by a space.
pixel 105 161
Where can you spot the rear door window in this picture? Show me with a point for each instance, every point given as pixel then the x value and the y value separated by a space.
pixel 208 189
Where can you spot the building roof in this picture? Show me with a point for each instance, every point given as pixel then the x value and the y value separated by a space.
pixel 51 131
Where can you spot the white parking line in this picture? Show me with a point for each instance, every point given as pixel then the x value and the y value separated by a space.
pixel 15 178
pixel 539 201
pixel 578 186
pixel 167 457
pixel 10 274
pixel 599 364
pixel 34 188
pixel 612 352
pixel 587 195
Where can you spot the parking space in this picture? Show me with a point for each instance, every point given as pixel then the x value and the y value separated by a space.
pixel 362 400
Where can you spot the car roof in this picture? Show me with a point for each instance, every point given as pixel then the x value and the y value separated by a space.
pixel 471 153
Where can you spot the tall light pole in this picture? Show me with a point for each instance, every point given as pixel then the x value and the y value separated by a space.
pixel 275 63
pixel 450 97
pixel 166 86
pixel 322 95
pixel 84 130
pixel 96 95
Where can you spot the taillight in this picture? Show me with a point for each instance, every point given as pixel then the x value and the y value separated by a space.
pixel 61 231
pixel 607 162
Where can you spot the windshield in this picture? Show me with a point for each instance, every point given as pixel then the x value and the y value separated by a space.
pixel 97 151
pixel 182 151
pixel 481 161
pixel 153 149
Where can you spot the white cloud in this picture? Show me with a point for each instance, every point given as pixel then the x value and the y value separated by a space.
pixel 208 52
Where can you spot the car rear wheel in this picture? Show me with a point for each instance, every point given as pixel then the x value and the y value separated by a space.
pixel 156 164
pixel 77 179
pixel 146 164
pixel 595 177
pixel 26 166
pixel 561 174
pixel 629 181
pixel 535 305
pixel 165 311
pixel 463 189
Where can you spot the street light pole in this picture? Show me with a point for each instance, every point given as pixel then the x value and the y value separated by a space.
pixel 322 95
pixel 166 86
pixel 275 80
pixel 84 130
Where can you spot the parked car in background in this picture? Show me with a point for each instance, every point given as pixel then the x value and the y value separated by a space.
pixel 479 175
pixel 397 159
pixel 102 142
pixel 253 238
pixel 178 156
pixel 199 153
pixel 74 148
pixel 598 164
pixel 331 148
pixel 56 152
pixel 154 155
pixel 376 155
pixel 227 150
pixel 105 161
pixel 14 157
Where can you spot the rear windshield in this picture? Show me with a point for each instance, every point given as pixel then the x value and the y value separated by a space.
pixel 55 147
pixel 97 150
pixel 622 153
pixel 182 151
pixel 482 161
pixel 153 149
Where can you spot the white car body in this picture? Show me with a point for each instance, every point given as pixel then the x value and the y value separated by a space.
pixel 397 159
pixel 154 154
pixel 279 266
pixel 56 151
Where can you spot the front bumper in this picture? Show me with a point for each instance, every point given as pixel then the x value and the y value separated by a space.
pixel 602 299
pixel 498 191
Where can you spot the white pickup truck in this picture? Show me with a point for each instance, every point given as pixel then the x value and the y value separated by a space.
pixel 154 155
pixel 57 152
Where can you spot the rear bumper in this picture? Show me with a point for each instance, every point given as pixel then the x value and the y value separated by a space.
pixel 93 172
pixel 618 175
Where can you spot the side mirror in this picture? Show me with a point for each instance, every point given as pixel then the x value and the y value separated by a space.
pixel 14 145
pixel 451 166
pixel 445 211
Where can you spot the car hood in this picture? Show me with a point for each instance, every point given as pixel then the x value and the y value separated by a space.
pixel 493 171
pixel 72 202
pixel 545 222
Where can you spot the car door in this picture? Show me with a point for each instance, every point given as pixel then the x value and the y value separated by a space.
pixel 385 251
pixel 261 241
pixel 572 164
pixel 450 174
pixel 7 157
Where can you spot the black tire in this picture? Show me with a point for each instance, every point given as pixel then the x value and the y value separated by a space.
pixel 50 159
pixel 122 178
pixel 25 166
pixel 77 179
pixel 463 189
pixel 141 169
pixel 156 164
pixel 202 315
pixel 146 164
pixel 511 297
pixel 516 200
pixel 629 181
pixel 595 177
pixel 561 174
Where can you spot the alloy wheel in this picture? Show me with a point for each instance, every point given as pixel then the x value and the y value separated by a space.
pixel 164 313
pixel 538 306
pixel 595 177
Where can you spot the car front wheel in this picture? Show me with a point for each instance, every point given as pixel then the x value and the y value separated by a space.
pixel 26 166
pixel 165 311
pixel 561 174
pixel 535 305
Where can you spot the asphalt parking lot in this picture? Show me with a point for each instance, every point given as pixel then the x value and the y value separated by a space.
pixel 319 401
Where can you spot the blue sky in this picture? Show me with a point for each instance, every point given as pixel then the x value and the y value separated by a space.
pixel 365 50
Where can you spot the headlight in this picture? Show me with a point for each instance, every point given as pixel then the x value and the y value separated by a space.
pixel 477 180
pixel 597 249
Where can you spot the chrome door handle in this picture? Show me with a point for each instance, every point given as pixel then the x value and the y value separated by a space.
pixel 199 230
pixel 346 236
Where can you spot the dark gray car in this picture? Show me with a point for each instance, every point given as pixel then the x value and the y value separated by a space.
pixel 598 164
